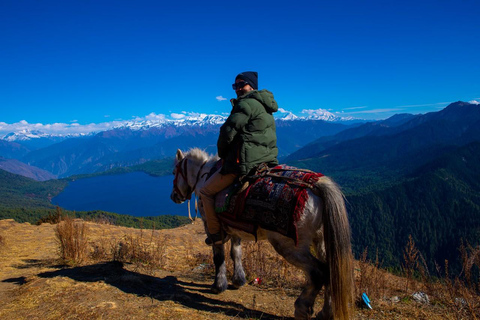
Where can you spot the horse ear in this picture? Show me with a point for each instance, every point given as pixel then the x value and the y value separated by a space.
pixel 179 155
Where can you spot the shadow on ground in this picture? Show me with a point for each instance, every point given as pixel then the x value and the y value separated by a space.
pixel 188 294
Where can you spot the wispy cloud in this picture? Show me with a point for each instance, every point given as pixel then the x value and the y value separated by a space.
pixel 380 110
pixel 356 108
pixel 220 98
pixel 395 109
pixel 425 105
pixel 474 101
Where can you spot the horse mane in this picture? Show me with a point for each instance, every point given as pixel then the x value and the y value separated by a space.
pixel 199 155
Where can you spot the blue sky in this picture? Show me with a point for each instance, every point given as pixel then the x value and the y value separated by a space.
pixel 95 61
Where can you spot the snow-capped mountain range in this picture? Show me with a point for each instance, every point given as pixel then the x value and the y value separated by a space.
pixel 128 143
pixel 200 120
pixel 25 134
pixel 158 121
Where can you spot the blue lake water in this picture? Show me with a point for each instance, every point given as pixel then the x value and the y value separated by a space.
pixel 135 193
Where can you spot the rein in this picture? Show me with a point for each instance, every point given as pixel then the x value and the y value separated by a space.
pixel 183 174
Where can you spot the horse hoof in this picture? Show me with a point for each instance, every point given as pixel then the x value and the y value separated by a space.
pixel 322 316
pixel 302 311
pixel 218 289
pixel 237 283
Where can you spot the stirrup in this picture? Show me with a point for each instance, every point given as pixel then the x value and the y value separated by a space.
pixel 217 238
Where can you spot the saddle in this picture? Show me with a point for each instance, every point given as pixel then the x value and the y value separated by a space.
pixel 272 198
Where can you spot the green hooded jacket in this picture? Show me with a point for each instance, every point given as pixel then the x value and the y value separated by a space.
pixel 248 137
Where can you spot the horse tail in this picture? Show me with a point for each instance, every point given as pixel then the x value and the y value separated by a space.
pixel 338 247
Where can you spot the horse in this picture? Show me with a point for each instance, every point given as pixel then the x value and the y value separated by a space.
pixel 323 226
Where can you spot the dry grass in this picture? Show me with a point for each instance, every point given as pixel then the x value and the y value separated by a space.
pixel 261 261
pixel 461 293
pixel 2 242
pixel 457 296
pixel 147 253
pixel 410 257
pixel 372 279
pixel 183 263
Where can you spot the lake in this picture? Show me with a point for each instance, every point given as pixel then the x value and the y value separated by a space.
pixel 136 193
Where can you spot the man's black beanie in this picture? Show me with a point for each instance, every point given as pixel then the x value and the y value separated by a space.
pixel 250 77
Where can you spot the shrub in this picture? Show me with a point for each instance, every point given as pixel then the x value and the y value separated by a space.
pixel 72 239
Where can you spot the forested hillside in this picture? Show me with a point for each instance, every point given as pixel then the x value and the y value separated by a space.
pixel 439 206
pixel 417 175
pixel 18 191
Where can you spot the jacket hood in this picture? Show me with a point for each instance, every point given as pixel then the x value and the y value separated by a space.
pixel 265 97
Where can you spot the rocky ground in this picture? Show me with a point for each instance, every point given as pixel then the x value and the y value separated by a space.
pixel 34 285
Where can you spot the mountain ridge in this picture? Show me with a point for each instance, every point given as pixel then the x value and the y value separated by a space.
pixel 20 168
pixel 374 145
pixel 159 121
pixel 125 146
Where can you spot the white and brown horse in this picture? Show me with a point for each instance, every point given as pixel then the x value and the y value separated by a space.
pixel 323 225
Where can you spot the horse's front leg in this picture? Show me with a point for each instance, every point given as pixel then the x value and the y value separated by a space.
pixel 220 283
pixel 236 255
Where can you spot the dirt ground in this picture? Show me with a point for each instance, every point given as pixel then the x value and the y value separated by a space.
pixel 34 286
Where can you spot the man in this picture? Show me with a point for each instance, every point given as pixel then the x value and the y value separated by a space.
pixel 247 139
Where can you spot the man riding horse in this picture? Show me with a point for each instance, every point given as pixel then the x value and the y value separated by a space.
pixel 309 204
pixel 247 139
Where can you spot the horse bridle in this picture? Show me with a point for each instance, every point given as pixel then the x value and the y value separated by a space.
pixel 178 171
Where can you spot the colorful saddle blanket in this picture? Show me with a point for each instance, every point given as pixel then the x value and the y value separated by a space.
pixel 273 200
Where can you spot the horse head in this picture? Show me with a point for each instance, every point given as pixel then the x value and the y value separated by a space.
pixel 181 190
pixel 187 168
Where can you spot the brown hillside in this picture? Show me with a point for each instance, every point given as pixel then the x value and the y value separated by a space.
pixel 33 285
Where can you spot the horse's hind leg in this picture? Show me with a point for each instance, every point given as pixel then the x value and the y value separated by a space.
pixel 236 255
pixel 316 272
pixel 327 311
pixel 220 283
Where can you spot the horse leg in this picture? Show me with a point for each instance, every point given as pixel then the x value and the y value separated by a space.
pixel 220 283
pixel 327 311
pixel 238 279
pixel 315 271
